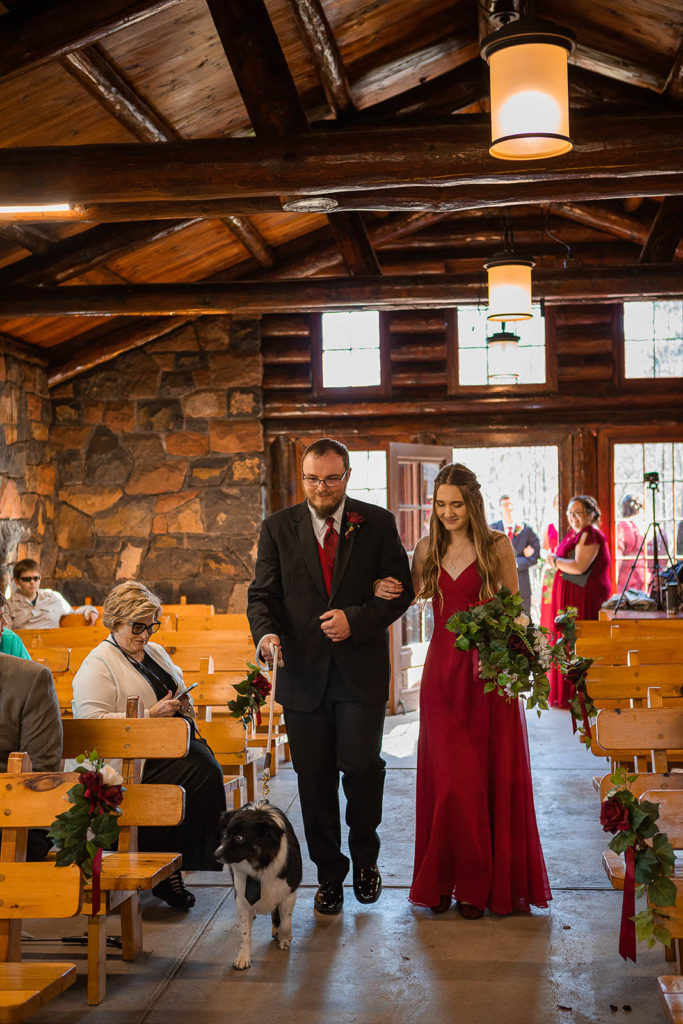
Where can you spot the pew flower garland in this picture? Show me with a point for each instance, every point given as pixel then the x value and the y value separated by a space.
pixel 514 654
pixel 581 704
pixel 649 860
pixel 90 825
pixel 252 692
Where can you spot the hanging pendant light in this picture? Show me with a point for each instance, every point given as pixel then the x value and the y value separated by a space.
pixel 501 350
pixel 529 90
pixel 509 282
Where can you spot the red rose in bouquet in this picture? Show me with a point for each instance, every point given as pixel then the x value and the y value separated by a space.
pixel 614 817
pixel 100 797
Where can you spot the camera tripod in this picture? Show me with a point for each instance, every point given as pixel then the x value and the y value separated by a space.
pixel 651 481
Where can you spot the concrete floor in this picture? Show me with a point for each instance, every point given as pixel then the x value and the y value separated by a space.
pixel 392 962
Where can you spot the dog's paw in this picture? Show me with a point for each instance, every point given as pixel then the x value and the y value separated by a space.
pixel 284 943
pixel 242 962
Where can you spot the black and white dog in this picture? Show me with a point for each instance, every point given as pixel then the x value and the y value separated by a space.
pixel 259 846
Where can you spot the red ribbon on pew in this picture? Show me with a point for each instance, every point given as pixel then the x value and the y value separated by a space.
pixel 96 870
pixel 586 720
pixel 627 934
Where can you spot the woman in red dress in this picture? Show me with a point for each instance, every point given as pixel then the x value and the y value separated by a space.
pixel 548 547
pixel 476 836
pixel 629 541
pixel 583 550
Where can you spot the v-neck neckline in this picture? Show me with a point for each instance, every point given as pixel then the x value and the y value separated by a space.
pixel 454 579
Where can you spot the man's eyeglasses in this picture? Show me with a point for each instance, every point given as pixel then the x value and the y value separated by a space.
pixel 326 481
pixel 137 628
pixel 29 579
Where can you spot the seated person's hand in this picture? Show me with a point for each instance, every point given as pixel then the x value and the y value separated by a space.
pixel 528 551
pixel 388 588
pixel 166 707
pixel 185 705
pixel 335 625
pixel 91 616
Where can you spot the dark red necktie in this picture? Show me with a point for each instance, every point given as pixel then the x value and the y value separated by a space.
pixel 511 532
pixel 330 542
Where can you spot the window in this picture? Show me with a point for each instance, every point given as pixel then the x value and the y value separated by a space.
pixel 634 513
pixel 368 480
pixel 477 364
pixel 350 349
pixel 653 339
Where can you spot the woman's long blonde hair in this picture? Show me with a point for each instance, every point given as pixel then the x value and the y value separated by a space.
pixel 478 531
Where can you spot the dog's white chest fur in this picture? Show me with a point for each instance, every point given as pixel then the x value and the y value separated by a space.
pixel 273 889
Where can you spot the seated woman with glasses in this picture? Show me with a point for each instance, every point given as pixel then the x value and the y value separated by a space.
pixel 32 607
pixel 126 665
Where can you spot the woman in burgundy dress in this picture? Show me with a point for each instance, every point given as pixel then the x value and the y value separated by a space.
pixel 476 836
pixel 583 550
pixel 629 541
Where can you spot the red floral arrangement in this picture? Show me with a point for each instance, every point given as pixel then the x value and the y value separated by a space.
pixel 353 521
pixel 252 693
pixel 649 862
pixel 90 825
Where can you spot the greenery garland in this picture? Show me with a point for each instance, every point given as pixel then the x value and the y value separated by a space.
pixel 514 654
pixel 252 693
pixel 581 703
pixel 633 823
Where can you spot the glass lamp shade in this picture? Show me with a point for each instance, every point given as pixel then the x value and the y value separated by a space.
pixel 502 358
pixel 509 288
pixel 529 90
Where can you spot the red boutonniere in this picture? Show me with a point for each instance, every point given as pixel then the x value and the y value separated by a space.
pixel 353 521
pixel 518 529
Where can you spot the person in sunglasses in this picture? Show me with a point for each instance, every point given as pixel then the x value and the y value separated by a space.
pixel 127 664
pixel 32 607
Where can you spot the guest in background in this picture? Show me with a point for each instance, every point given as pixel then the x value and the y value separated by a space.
pixel 30 722
pixel 582 581
pixel 126 665
pixel 31 607
pixel 629 540
pixel 525 543
pixel 10 643
pixel 550 541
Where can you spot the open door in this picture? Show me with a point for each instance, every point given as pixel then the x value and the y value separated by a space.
pixel 412 471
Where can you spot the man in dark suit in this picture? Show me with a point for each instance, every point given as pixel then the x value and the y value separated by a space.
pixel 30 723
pixel 312 598
pixel 525 543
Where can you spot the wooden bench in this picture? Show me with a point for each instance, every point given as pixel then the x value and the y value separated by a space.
pixel 609 683
pixel 614 628
pixel 127 872
pixel 650 651
pixel 56 658
pixel 671 992
pixel 32 891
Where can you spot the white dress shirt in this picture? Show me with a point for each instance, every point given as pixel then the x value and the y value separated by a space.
pixel 320 525
pixel 45 613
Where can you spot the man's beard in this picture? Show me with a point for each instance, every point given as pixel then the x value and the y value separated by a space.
pixel 328 508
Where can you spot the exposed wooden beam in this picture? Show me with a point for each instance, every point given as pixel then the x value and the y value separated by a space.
pixel 621 68
pixel 322 46
pixel 77 254
pixel 674 82
pixel 593 89
pixel 454 155
pixel 446 94
pixel 665 233
pixel 604 218
pixel 270 96
pixel 27 237
pixel 29 38
pixel 408 292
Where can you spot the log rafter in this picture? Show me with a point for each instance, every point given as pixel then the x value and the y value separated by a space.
pixel 664 237
pixel 322 46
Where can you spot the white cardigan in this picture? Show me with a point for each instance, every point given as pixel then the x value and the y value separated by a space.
pixel 106 679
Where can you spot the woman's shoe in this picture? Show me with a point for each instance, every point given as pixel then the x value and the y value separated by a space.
pixel 172 891
pixel 442 906
pixel 469 911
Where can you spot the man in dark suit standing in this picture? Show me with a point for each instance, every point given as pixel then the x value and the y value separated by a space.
pixel 312 598
pixel 526 545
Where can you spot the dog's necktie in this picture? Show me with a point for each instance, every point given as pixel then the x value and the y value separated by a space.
pixel 252 890
pixel 331 541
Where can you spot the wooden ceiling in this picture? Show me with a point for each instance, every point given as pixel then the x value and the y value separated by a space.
pixel 185 130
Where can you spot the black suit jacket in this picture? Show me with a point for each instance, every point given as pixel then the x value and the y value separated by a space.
pixel 288 596
pixel 519 542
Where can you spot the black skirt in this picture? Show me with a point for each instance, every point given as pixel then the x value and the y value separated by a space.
pixel 196 838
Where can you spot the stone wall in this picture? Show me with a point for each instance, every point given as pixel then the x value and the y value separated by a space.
pixel 159 467
pixel 27 479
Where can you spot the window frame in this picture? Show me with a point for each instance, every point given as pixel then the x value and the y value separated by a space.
pixel 454 387
pixel 380 390
pixel 635 383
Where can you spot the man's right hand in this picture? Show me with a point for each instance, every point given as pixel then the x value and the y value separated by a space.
pixel 265 652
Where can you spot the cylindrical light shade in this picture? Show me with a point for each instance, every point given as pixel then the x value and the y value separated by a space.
pixel 529 91
pixel 509 288
pixel 502 358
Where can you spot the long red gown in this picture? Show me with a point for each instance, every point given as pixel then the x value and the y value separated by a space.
pixel 588 600
pixel 476 834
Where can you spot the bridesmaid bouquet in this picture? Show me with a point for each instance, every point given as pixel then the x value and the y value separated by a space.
pixel 514 654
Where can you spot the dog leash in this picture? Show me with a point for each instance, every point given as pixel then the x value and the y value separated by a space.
pixel 265 775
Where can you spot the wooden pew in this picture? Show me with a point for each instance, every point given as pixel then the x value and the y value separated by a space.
pixel 57 659
pixel 33 891
pixel 127 872
pixel 589 628
pixel 658 651
pixel 233 751
pixel 610 683
pixel 238 624
pixel 656 733
pixel 671 992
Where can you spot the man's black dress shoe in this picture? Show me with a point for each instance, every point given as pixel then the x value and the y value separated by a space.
pixel 329 898
pixel 367 884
